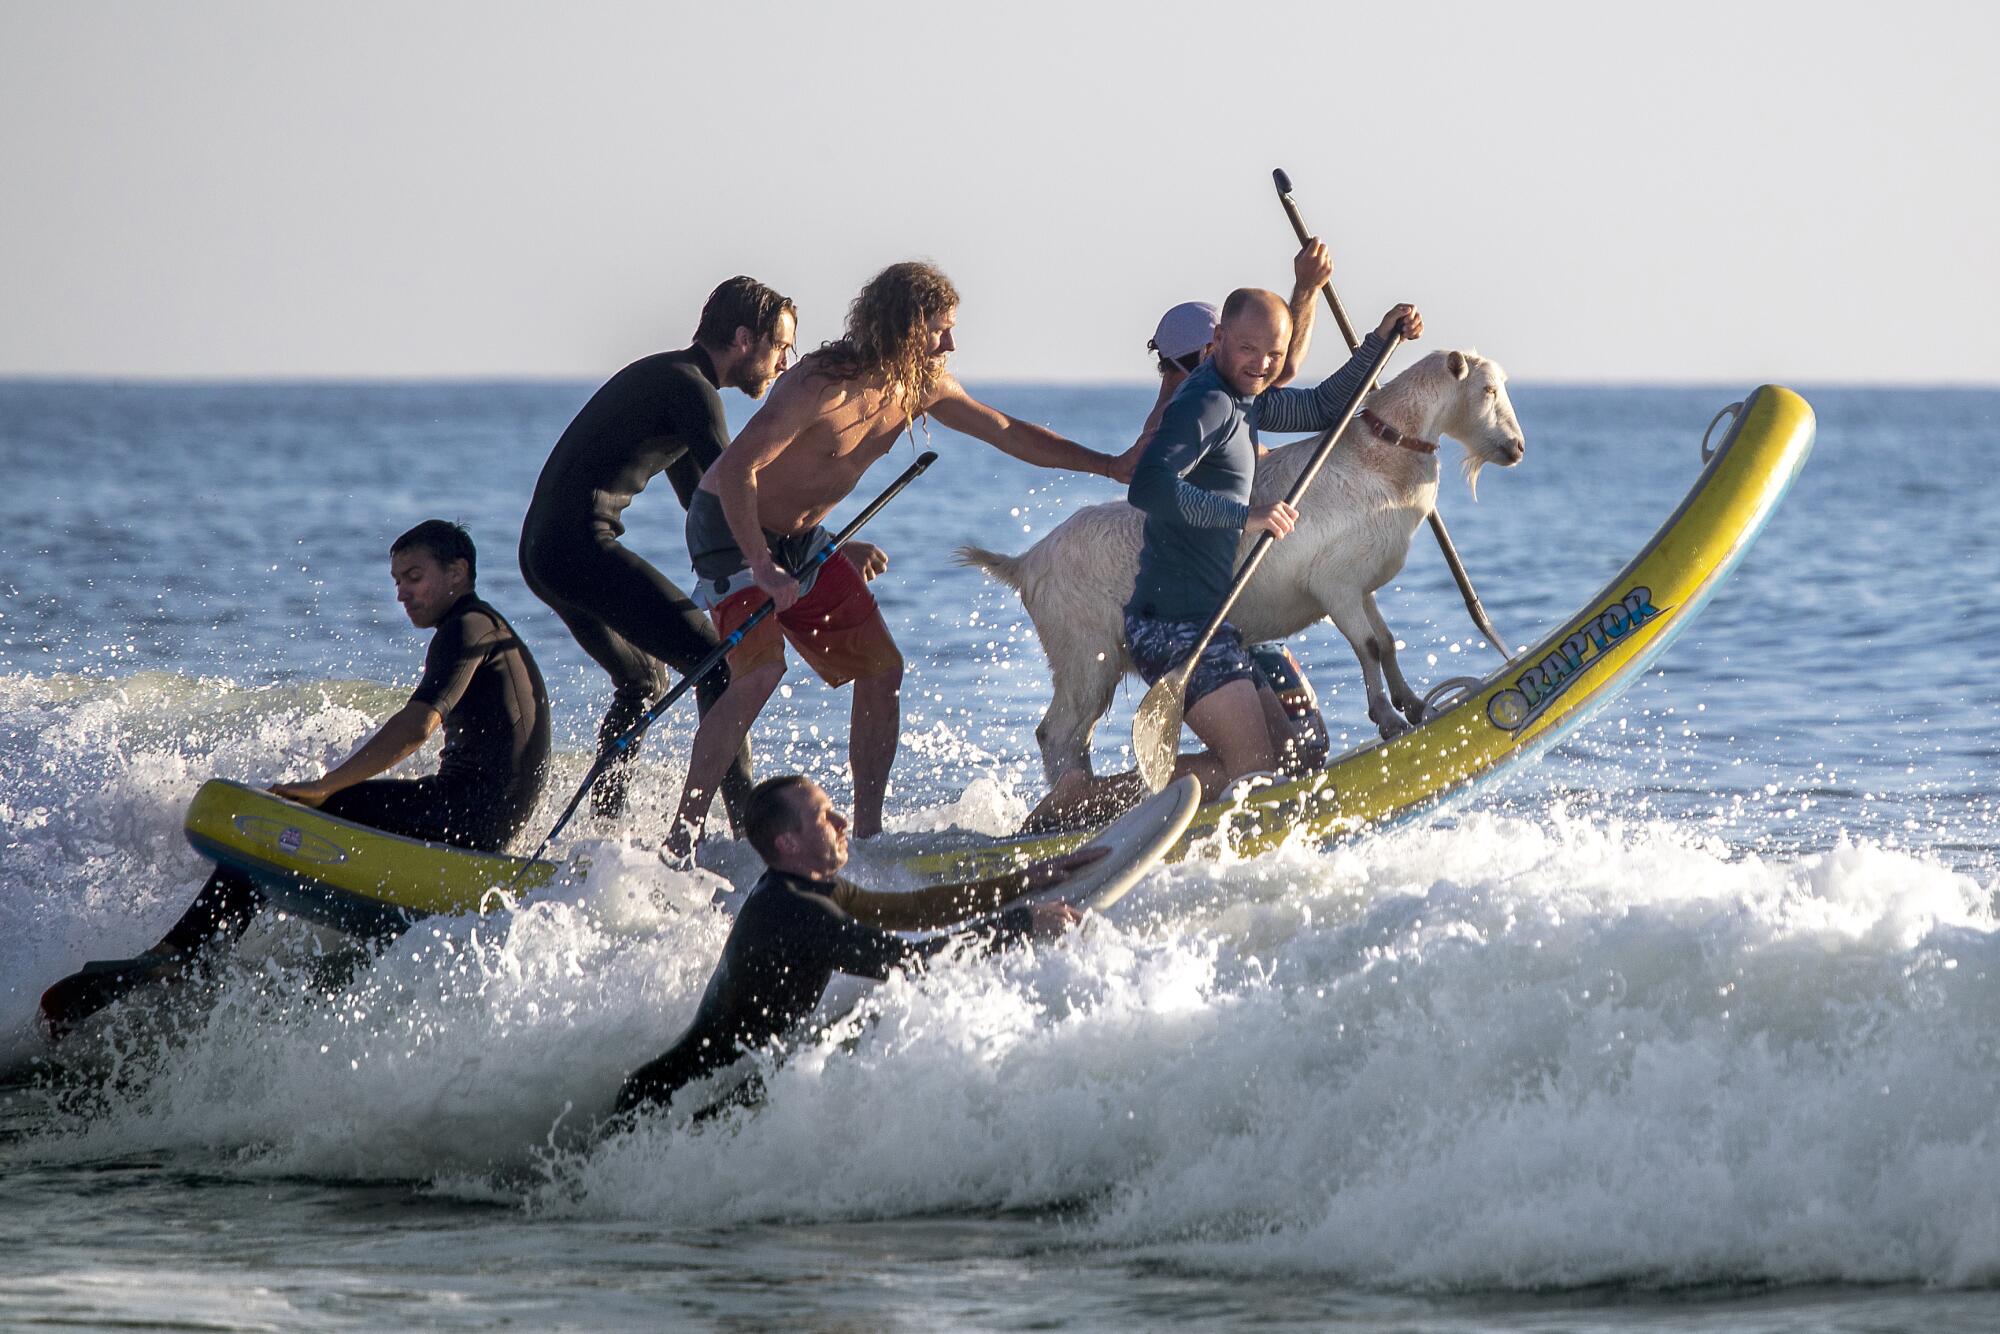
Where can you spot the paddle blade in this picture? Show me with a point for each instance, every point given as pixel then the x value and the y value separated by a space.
pixel 1156 730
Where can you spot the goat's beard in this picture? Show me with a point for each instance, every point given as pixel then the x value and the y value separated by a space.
pixel 1470 466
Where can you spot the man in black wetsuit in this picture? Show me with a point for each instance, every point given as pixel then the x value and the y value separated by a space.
pixel 802 923
pixel 660 414
pixel 480 685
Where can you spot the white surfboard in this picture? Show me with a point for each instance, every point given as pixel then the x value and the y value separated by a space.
pixel 1133 843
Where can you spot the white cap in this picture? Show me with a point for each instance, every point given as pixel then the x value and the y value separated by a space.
pixel 1188 327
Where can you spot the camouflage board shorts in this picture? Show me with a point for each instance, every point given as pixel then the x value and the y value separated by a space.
pixel 1157 647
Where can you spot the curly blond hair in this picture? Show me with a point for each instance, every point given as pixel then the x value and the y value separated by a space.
pixel 888 333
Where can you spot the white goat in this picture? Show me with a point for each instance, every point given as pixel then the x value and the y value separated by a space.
pixel 1352 537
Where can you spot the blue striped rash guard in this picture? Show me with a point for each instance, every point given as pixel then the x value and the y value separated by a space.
pixel 1193 480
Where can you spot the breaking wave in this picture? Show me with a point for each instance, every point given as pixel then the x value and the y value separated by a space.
pixel 1506 1050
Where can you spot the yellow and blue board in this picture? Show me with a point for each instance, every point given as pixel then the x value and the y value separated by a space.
pixel 1538 697
pixel 343 874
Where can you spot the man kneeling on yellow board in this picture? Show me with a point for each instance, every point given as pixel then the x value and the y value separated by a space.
pixel 802 923
pixel 480 685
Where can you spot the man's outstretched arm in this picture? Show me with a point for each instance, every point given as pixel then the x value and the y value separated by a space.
pixel 1025 441
pixel 938 906
pixel 458 649
pixel 866 951
pixel 1315 409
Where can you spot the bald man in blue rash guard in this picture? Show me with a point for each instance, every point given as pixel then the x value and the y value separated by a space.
pixel 802 923
pixel 1183 340
pixel 1193 483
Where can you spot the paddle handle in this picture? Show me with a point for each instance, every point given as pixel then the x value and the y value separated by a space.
pixel 1284 184
pixel 1293 497
pixel 630 736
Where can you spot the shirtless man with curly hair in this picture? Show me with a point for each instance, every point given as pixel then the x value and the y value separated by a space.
pixel 755 520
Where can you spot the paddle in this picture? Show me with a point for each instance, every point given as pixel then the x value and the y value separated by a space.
pixel 616 750
pixel 1156 731
pixel 1472 604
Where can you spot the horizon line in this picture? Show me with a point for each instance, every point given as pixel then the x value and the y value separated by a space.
pixel 143 379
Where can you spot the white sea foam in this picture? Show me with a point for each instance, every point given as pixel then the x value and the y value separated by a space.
pixel 1515 1052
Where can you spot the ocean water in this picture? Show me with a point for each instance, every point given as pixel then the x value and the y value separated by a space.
pixel 1689 1026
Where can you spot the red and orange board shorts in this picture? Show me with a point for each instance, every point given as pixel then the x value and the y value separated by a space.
pixel 836 628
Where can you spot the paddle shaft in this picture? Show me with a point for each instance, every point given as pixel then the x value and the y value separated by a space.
pixel 1451 560
pixel 1292 498
pixel 624 742
pixel 1326 288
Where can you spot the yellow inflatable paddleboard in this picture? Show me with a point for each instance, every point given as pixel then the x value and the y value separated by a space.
pixel 1533 701
pixel 344 874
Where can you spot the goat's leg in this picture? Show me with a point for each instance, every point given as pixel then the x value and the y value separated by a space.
pixel 1408 701
pixel 1351 616
pixel 1083 691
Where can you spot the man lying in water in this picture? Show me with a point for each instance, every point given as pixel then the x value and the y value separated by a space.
pixel 802 923
pixel 480 685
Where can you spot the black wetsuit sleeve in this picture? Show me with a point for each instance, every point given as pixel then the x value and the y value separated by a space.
pixel 705 442
pixel 684 475
pixel 864 951
pixel 932 908
pixel 456 652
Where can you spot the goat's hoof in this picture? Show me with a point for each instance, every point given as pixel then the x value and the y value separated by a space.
pixel 1391 724
pixel 1414 711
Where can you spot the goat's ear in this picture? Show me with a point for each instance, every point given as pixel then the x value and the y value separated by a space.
pixel 1455 363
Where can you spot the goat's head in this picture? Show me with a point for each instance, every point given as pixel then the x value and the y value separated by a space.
pixel 1478 414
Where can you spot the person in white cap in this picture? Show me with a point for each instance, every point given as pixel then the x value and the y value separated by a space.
pixel 1187 332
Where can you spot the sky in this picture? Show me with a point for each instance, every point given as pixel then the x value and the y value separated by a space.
pixel 1588 192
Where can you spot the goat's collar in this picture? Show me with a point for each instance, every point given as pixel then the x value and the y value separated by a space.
pixel 1389 435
